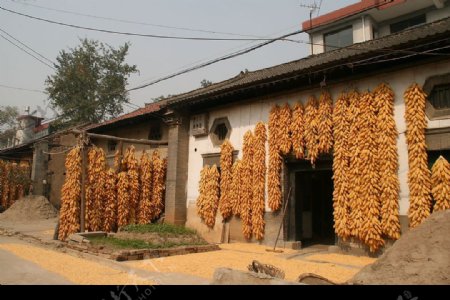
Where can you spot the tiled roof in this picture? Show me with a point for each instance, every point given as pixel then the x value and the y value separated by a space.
pixel 336 57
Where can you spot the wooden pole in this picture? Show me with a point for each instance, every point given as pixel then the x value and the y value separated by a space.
pixel 83 181
pixel 127 140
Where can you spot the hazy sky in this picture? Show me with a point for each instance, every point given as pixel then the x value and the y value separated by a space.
pixel 154 57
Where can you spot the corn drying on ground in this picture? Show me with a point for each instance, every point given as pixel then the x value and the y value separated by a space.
pixel 240 255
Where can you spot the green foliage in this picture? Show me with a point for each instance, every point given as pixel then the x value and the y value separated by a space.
pixel 205 83
pixel 117 243
pixel 8 120
pixel 90 82
pixel 159 228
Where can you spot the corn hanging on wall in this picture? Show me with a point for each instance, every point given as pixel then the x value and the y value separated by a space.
pixel 133 183
pixel 110 214
pixel 2 182
pixel 285 120
pixel 212 196
pixel 341 160
pixel 201 203
pixel 440 178
pixel 325 124
pixel 91 180
pixel 275 159
pixel 226 165
pixel 419 176
pixel 145 203
pixel 298 130
pixel 247 188
pixel 312 129
pixel 69 215
pixel 158 184
pixel 117 161
pixel 5 184
pixel 356 164
pixel 123 200
pixel 236 190
pixel 388 162
pixel 12 185
pixel 370 231
pixel 259 180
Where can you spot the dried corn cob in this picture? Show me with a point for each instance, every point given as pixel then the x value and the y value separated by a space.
pixel 110 215
pixel 247 188
pixel 312 129
pixel 285 120
pixel 259 180
pixel 133 183
pixel 388 162
pixel 212 196
pixel 325 123
pixel 158 185
pixel 275 160
pixel 145 203
pixel 298 131
pixel 419 176
pixel 440 178
pixel 69 216
pixel 236 187
pixel 226 164
pixel 201 203
pixel 123 200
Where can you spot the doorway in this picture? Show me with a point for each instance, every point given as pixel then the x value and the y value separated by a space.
pixel 311 207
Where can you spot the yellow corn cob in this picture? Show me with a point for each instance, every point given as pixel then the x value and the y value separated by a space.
pixel 110 215
pixel 226 164
pixel 236 187
pixel 440 178
pixel 259 180
pixel 145 203
pixel 158 185
pixel 247 188
pixel 285 120
pixel 133 183
pixel 312 129
pixel 325 123
pixel 123 200
pixel 212 196
pixel 275 160
pixel 298 131
pixel 201 203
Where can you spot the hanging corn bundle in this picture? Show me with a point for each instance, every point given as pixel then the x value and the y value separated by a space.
pixel 285 120
pixel 356 164
pixel 226 165
pixel 259 180
pixel 201 203
pixel 325 123
pixel 5 185
pixel 95 189
pixel 298 131
pixel 275 159
pixel 419 177
pixel 440 178
pixel 145 203
pixel 341 156
pixel 13 184
pixel 117 161
pixel 123 200
pixel 133 182
pixel 388 162
pixel 212 196
pixel 236 190
pixel 99 204
pixel 370 231
pixel 91 179
pixel 24 170
pixel 69 216
pixel 110 215
pixel 312 129
pixel 247 188
pixel 158 185
pixel 2 181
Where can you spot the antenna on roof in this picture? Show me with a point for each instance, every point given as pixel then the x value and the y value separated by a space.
pixel 312 8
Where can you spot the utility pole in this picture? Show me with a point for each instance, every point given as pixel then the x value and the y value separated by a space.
pixel 312 8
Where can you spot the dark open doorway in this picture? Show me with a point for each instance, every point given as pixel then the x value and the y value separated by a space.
pixel 310 218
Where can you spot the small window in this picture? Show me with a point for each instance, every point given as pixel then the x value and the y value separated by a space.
pixel 440 96
pixel 338 39
pixel 220 131
pixel 402 25
pixel 155 133
pixel 112 146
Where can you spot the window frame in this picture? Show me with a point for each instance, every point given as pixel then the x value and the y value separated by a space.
pixel 327 48
pixel 432 82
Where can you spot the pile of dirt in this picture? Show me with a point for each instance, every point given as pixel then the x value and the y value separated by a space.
pixel 420 256
pixel 30 208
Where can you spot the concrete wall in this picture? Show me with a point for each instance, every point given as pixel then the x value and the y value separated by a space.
pixel 245 115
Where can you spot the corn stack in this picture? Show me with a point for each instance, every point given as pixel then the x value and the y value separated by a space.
pixel 419 176
pixel 133 183
pixel 226 165
pixel 275 159
pixel 356 165
pixel 91 179
pixel 388 162
pixel 325 123
pixel 212 196
pixel 298 130
pixel 370 227
pixel 201 202
pixel 123 200
pixel 5 184
pixel 247 188
pixel 99 196
pixel 341 159
pixel 285 120
pixel 110 214
pixel 13 185
pixel 158 185
pixel 117 161
pixel 69 215
pixel 312 129
pixel 440 178
pixel 145 203
pixel 259 180
pixel 236 187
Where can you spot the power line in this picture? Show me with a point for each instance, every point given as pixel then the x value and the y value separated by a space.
pixel 136 34
pixel 29 48
pixel 21 89
pixel 38 59
pixel 135 22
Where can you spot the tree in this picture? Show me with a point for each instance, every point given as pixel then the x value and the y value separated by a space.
pixel 205 83
pixel 89 83
pixel 8 117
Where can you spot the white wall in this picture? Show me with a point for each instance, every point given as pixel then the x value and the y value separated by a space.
pixel 244 116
